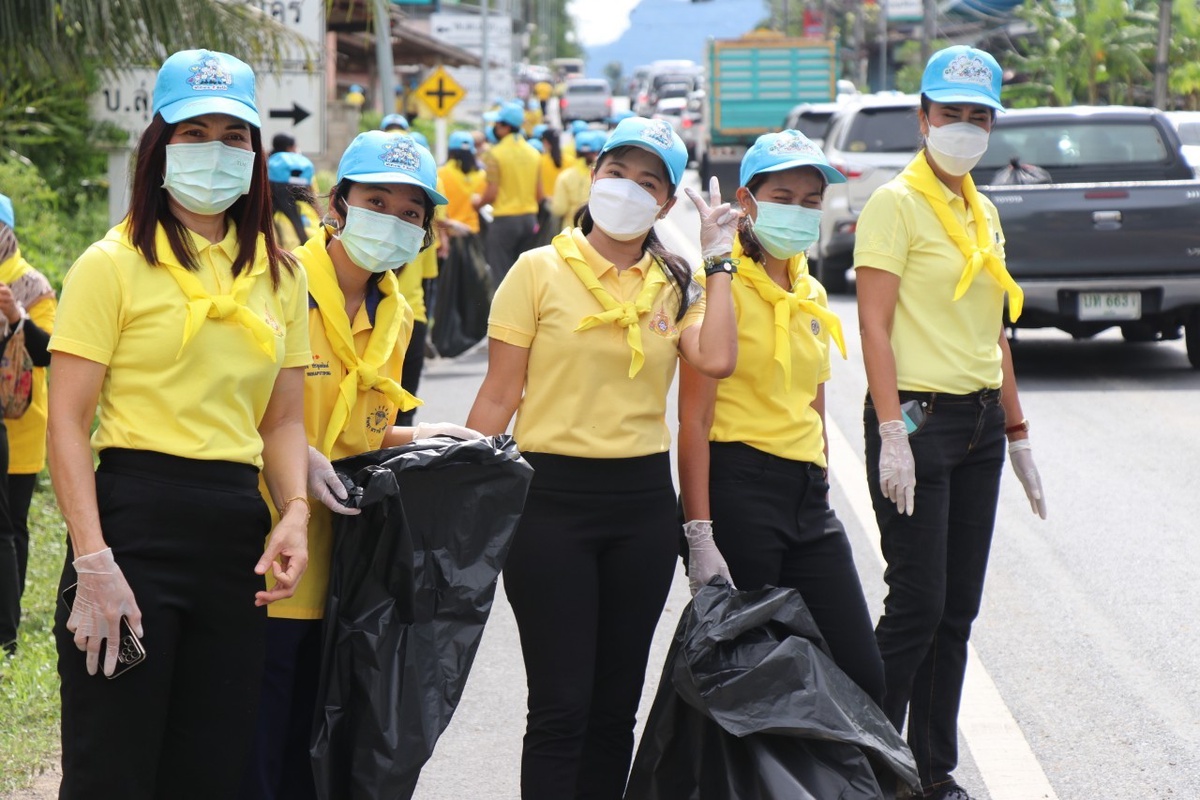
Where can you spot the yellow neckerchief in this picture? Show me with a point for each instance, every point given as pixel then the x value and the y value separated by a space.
pixel 202 305
pixel 980 255
pixel 13 268
pixel 802 298
pixel 362 374
pixel 622 314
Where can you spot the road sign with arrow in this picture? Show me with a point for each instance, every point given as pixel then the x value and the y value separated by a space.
pixel 440 92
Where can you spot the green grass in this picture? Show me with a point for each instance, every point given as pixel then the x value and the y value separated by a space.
pixel 29 682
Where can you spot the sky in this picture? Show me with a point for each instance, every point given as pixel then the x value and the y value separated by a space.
pixel 600 22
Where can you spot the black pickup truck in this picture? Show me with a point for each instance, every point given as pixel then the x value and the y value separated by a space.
pixel 1111 234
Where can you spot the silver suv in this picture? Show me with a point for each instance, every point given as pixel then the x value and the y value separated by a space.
pixel 588 99
pixel 869 140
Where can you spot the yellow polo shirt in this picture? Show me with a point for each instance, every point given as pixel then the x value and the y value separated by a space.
pixel 372 416
pixel 754 405
pixel 941 344
pixel 549 173
pixel 27 433
pixel 459 187
pixel 421 268
pixel 207 403
pixel 285 231
pixel 579 399
pixel 571 191
pixel 516 162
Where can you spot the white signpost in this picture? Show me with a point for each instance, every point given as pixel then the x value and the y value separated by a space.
pixel 466 31
pixel 290 97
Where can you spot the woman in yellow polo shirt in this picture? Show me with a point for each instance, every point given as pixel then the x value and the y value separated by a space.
pixel 292 197
pixel 184 332
pixel 752 461
pixel 584 337
pixel 574 183
pixel 27 304
pixel 929 260
pixel 359 326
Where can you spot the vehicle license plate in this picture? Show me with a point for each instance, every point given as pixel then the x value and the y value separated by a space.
pixel 1110 305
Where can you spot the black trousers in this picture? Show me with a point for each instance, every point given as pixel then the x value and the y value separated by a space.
pixel 507 238
pixel 186 534
pixel 588 574
pixel 410 372
pixel 773 524
pixel 20 497
pixel 10 563
pixel 280 766
pixel 936 562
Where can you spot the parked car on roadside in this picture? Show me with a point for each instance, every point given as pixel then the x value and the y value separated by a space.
pixel 811 119
pixel 1187 123
pixel 588 99
pixel 870 139
pixel 678 111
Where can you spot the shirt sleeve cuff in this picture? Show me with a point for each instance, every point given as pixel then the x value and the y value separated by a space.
pixel 299 359
pixel 883 261
pixel 510 335
pixel 58 344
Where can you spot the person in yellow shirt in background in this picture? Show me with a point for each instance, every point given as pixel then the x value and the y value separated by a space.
pixel 26 303
pixel 543 91
pixel 752 461
pixel 555 160
pixel 464 183
pixel 359 325
pixel 513 190
pixel 584 338
pixel 574 184
pixel 292 197
pixel 932 282
pixel 183 334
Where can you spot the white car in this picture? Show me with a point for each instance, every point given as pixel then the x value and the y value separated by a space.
pixel 677 111
pixel 1188 125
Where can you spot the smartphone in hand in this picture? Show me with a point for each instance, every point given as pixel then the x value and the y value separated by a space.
pixel 129 654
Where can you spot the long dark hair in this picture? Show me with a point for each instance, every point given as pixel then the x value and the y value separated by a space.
pixel 148 207
pixel 751 247
pixel 550 137
pixel 465 159
pixel 283 198
pixel 675 266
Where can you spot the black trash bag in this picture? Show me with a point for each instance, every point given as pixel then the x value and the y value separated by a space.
pixel 751 707
pixel 464 298
pixel 1018 174
pixel 411 586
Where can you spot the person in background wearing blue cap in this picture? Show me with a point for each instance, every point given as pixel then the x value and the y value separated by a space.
pixel 513 191
pixel 394 122
pixel 932 284
pixel 574 183
pixel 187 327
pixel 296 217
pixel 584 338
pixel 464 184
pixel 555 159
pixel 359 326
pixel 27 304
pixel 618 117
pixel 752 461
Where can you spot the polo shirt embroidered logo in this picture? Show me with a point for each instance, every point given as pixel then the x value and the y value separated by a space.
pixel 788 143
pixel 209 75
pixel 377 420
pixel 401 154
pixel 658 132
pixel 662 324
pixel 965 69
pixel 272 323
pixel 815 327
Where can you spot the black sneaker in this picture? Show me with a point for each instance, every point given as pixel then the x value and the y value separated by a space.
pixel 953 792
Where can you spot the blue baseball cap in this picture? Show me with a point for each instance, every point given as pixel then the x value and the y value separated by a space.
pixel 490 134
pixel 538 131
pixel 285 167
pixel 6 212
pixel 590 141
pixel 394 119
pixel 656 136
pixel 536 144
pixel 381 157
pixel 195 82
pixel 578 126
pixel 511 114
pixel 616 118
pixel 419 138
pixel 775 152
pixel 461 140
pixel 963 74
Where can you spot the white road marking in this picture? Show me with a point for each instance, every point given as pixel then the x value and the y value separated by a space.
pixel 1005 761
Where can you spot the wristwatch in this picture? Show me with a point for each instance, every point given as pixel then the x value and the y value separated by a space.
pixel 1020 427
pixel 718 265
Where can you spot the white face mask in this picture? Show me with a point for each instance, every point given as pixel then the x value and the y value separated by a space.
pixel 622 209
pixel 208 178
pixel 957 147
pixel 379 242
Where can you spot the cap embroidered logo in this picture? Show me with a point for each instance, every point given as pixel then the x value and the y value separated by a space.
pixel 789 143
pixel 658 132
pixel 401 154
pixel 965 69
pixel 209 76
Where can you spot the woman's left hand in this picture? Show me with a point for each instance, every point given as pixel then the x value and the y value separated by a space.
pixel 286 555
pixel 1020 452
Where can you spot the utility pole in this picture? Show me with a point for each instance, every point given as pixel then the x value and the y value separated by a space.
pixel 883 45
pixel 1161 65
pixel 383 58
pixel 860 45
pixel 928 27
pixel 483 55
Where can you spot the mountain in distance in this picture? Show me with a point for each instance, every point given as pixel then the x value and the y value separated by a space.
pixel 661 29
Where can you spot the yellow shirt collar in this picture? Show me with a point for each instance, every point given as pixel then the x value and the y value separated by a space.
pixel 599 264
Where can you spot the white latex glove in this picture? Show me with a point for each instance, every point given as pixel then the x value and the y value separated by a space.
pixel 428 430
pixel 1020 453
pixel 325 485
pixel 102 597
pixel 704 559
pixel 897 470
pixel 718 221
